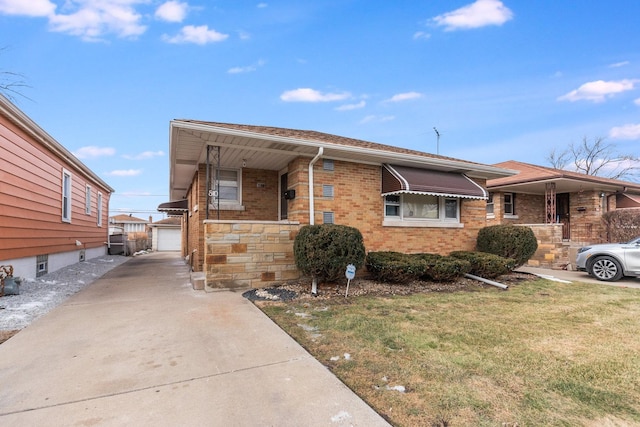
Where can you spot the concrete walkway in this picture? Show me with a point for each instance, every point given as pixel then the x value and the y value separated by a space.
pixel 140 347
pixel 579 277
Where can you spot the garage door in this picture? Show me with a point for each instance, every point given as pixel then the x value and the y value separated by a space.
pixel 169 239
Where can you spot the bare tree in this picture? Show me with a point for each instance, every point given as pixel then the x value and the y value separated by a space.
pixel 596 157
pixel 11 82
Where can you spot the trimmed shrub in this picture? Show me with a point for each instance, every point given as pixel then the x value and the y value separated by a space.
pixel 484 264
pixel 508 241
pixel 394 267
pixel 324 251
pixel 442 268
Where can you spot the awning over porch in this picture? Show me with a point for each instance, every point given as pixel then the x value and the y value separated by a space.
pixel 175 208
pixel 403 179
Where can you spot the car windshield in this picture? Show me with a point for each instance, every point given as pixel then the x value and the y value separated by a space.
pixel 635 241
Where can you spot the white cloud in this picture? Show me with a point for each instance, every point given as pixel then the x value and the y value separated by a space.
pixel 376 119
pixel 312 95
pixel 198 35
pixel 629 131
pixel 172 11
pixel 480 13
pixel 404 97
pixel 91 151
pixel 27 7
pixel 261 5
pixel 92 19
pixel 636 101
pixel 421 35
pixel 144 155
pixel 247 69
pixel 349 107
pixel 599 90
pixel 619 64
pixel 125 172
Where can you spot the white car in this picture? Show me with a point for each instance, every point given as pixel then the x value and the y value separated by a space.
pixel 610 261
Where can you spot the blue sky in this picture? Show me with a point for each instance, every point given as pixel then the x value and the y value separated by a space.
pixel 500 80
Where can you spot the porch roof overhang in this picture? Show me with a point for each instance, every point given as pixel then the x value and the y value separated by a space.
pixel 274 148
pixel 403 179
pixel 563 185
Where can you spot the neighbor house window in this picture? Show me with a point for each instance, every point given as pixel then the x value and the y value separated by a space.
pixel 66 196
pixel 408 207
pixel 509 204
pixel 227 186
pixel 99 202
pixel 87 200
pixel 42 265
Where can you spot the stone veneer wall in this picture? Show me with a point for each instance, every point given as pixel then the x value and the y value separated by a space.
pixel 249 254
pixel 552 252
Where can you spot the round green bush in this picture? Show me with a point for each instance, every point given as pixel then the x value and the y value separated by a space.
pixel 508 241
pixel 324 251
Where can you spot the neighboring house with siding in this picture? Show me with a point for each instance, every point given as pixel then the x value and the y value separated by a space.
pixel 563 208
pixel 53 208
pixel 129 223
pixel 244 191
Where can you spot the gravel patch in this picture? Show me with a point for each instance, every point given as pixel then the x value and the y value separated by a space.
pixel 38 296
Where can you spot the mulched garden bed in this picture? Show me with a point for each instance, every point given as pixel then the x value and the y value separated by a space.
pixel 301 289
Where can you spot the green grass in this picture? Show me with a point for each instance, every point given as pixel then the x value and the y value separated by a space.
pixel 541 353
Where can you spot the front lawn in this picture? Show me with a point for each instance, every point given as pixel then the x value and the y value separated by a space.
pixel 541 353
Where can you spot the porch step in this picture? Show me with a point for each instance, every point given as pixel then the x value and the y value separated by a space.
pixel 197 280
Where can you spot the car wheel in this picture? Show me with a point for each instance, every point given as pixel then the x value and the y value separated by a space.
pixel 606 268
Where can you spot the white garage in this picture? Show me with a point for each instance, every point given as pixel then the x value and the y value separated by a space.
pixel 166 235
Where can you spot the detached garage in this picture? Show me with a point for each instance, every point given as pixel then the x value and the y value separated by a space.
pixel 166 235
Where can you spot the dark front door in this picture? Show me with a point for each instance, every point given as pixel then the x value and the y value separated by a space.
pixel 562 213
pixel 284 203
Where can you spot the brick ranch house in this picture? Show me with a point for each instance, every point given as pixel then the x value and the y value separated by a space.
pixel 563 208
pixel 53 208
pixel 244 191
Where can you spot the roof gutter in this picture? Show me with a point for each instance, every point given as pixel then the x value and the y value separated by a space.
pixel 313 161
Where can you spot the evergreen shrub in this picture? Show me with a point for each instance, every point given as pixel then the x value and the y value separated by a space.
pixel 324 251
pixel 508 241
pixel 484 264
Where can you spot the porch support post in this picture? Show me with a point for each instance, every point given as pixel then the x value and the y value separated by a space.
pixel 550 203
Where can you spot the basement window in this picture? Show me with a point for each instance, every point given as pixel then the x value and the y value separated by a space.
pixel 42 265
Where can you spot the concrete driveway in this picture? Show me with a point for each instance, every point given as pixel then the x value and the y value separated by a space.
pixel 579 277
pixel 140 347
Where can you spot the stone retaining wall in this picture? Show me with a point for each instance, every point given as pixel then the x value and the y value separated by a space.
pixel 249 254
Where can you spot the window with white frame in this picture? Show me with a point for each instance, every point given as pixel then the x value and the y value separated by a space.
pixel 66 196
pixel 87 200
pixel 226 187
pixel 408 207
pixel 509 204
pixel 490 204
pixel 99 213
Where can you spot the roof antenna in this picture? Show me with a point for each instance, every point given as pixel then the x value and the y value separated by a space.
pixel 437 140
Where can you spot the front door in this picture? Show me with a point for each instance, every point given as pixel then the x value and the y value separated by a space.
pixel 284 203
pixel 562 214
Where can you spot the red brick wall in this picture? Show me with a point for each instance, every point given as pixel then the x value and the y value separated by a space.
pixel 357 202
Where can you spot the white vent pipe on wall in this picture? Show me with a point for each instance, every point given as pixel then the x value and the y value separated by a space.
pixel 312 212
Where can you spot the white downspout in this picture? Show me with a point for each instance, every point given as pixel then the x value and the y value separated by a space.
pixel 312 212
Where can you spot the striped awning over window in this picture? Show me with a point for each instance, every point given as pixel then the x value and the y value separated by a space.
pixel 403 179
pixel 175 208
